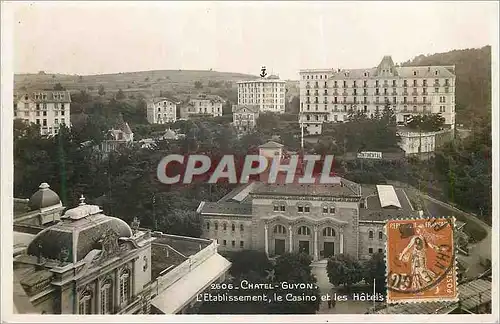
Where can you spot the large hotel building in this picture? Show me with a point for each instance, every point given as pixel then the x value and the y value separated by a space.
pixel 48 109
pixel 266 93
pixel 327 95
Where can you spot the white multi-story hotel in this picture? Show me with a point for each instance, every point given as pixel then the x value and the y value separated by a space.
pixel 266 93
pixel 329 94
pixel 49 109
pixel 162 110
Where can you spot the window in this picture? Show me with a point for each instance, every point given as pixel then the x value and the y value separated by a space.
pixel 436 90
pixel 307 209
pixel 85 303
pixel 62 112
pixel 216 226
pixel 233 227
pixel 380 250
pixel 276 208
pixel 56 121
pixel 328 231
pixel 242 244
pixel 44 123
pixel 45 113
pixel 208 226
pixel 332 210
pixel 106 297
pixel 300 209
pixel 224 226
pixel 279 229
pixel 124 286
pixel 304 230
pixel 233 243
pixel 325 209
pixel 224 242
pixel 370 234
pixel 380 235
pixel 241 228
pixel 370 250
pixel 282 208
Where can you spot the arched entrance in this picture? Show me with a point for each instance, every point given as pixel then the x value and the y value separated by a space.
pixel 304 234
pixel 328 235
pixel 279 239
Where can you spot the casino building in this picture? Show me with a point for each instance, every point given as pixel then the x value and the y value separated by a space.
pixel 319 219
pixel 82 261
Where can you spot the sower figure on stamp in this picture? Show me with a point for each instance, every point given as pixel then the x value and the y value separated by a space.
pixel 416 253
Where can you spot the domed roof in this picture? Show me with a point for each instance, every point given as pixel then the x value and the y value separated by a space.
pixel 44 198
pixel 81 230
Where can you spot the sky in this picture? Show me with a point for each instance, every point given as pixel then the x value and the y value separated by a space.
pixel 95 38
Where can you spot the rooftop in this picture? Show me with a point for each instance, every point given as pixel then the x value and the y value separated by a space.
pixel 295 189
pixel 168 251
pixel 44 96
pixel 374 210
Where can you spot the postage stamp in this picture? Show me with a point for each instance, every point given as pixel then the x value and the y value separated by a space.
pixel 421 265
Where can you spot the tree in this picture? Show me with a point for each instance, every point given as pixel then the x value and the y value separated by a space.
pixel 58 87
pixel 246 261
pixel 101 91
pixel 427 123
pixel 198 85
pixel 120 95
pixel 374 268
pixel 344 270
pixel 295 268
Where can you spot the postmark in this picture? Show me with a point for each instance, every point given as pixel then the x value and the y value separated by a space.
pixel 421 264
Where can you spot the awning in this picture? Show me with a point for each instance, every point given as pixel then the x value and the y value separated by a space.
pixel 179 294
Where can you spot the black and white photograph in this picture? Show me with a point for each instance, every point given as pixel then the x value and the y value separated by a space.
pixel 249 161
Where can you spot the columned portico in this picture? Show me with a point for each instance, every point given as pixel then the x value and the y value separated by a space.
pixel 320 238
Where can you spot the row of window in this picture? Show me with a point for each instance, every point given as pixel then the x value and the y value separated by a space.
pixel 336 100
pixel 261 84
pixel 304 230
pixel 370 250
pixel 43 106
pixel 394 83
pixel 224 227
pixel 365 108
pixel 233 243
pixel 376 93
pixel 106 293
pixel 380 235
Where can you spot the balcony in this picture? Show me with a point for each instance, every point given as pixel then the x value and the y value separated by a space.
pixel 405 93
pixel 316 86
pixel 345 93
pixel 335 86
pixel 394 93
pixel 325 93
pixel 316 93
pixel 436 84
pixel 325 101
pixel 414 93
pixel 308 87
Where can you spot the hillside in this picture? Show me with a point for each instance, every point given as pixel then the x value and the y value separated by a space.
pixel 132 82
pixel 473 78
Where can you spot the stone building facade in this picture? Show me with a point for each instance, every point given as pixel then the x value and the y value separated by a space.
pixel 161 110
pixel 319 219
pixel 85 262
pixel 328 95
pixel 48 109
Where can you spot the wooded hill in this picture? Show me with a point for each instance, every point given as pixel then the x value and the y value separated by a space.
pixel 473 79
